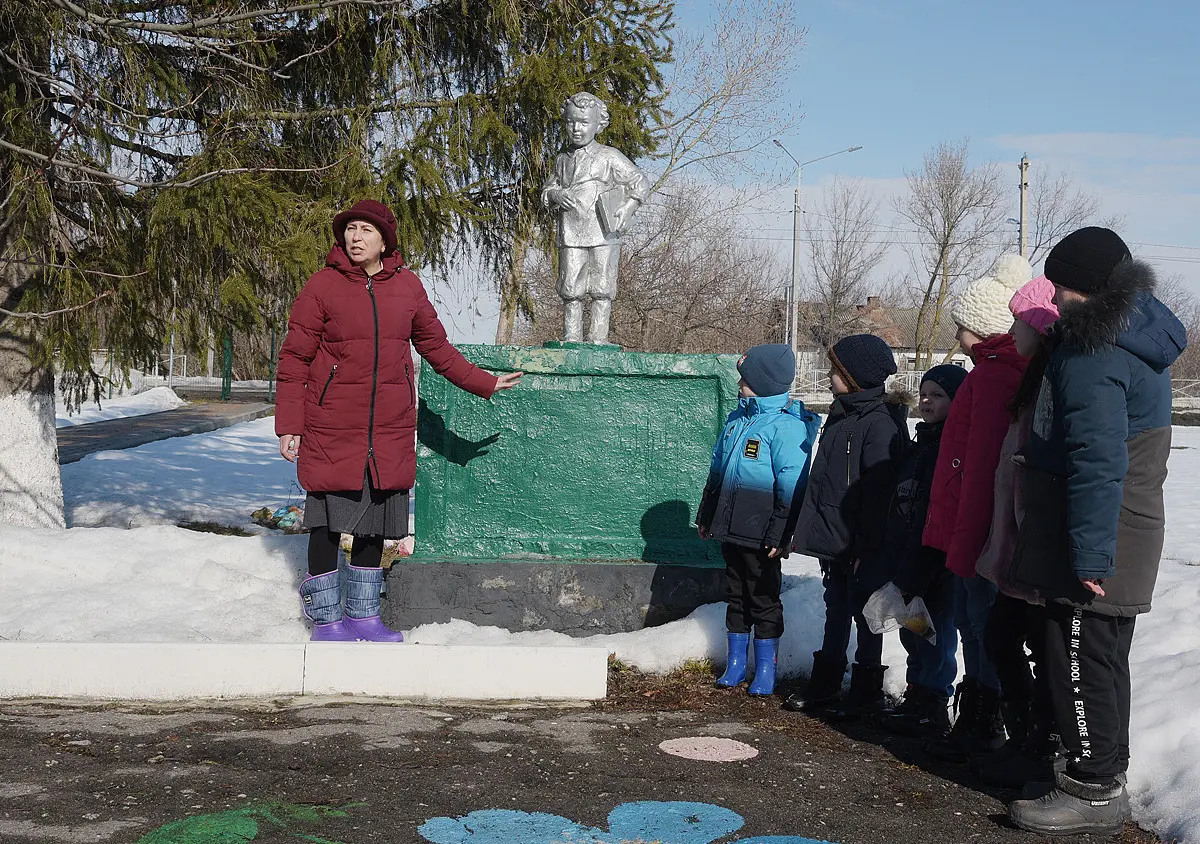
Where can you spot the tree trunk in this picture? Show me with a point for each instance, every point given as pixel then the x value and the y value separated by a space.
pixel 30 483
pixel 512 292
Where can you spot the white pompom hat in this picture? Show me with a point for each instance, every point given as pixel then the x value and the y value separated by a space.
pixel 983 307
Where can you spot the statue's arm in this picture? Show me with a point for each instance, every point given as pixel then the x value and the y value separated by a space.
pixel 630 176
pixel 552 185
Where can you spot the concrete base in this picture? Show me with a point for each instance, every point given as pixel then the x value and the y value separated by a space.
pixel 182 671
pixel 578 598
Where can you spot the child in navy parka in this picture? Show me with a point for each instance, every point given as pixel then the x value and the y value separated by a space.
pixel 760 463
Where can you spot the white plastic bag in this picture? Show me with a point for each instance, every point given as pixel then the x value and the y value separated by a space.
pixel 886 611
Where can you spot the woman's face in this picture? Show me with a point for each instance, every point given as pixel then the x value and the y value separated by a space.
pixel 934 405
pixel 364 242
pixel 967 339
pixel 1026 337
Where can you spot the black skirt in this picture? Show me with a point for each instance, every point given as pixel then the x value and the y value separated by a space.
pixel 364 512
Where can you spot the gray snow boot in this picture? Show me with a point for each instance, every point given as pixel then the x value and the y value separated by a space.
pixel 1073 807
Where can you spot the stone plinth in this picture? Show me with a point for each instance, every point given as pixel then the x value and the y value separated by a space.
pixel 577 491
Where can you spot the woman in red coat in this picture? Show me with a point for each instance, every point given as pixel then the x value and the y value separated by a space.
pixel 346 412
pixel 960 502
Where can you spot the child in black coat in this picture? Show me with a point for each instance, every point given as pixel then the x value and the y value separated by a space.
pixel 921 571
pixel 841 520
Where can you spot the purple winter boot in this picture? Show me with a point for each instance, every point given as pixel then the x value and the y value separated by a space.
pixel 363 585
pixel 322 604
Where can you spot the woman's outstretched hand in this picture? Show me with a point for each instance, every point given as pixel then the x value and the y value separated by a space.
pixel 507 382
pixel 289 447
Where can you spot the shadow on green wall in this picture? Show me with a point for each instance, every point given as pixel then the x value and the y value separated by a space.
pixel 433 433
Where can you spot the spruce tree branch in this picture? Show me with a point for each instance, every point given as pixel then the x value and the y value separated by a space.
pixel 377 108
pixel 46 266
pixel 115 140
pixel 59 312
pixel 167 183
pixel 213 21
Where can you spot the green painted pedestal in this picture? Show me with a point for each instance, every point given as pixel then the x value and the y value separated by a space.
pixel 573 495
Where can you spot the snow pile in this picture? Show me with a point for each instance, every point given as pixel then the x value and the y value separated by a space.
pixel 155 584
pixel 222 477
pixel 121 407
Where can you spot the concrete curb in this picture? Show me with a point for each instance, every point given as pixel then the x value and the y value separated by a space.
pixel 163 671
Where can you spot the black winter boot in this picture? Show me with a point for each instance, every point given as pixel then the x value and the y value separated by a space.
pixel 988 734
pixel 866 692
pixel 1018 763
pixel 1074 807
pixel 824 686
pixel 922 713
pixel 956 746
pixel 1018 718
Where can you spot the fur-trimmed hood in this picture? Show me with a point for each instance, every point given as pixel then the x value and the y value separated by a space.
pixel 1126 314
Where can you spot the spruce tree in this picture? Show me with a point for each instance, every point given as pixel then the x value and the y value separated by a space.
pixel 176 163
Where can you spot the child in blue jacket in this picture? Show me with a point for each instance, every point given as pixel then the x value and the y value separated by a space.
pixel 759 465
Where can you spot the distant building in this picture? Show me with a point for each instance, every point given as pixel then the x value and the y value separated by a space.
pixel 897 326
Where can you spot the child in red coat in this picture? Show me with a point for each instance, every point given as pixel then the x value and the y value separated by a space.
pixel 960 505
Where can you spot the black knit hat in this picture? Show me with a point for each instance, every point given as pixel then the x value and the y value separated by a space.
pixel 947 376
pixel 864 359
pixel 1084 259
pixel 768 369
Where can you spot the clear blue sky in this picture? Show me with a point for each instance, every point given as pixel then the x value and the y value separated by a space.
pixel 899 76
pixel 1109 91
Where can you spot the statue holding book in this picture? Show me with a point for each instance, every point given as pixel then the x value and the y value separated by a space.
pixel 595 190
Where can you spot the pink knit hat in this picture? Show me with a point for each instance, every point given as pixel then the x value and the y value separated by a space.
pixel 1034 305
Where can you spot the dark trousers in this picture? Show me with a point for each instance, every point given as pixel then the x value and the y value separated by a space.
pixel 1014 626
pixel 935 666
pixel 844 602
pixel 1087 662
pixel 323 551
pixel 752 584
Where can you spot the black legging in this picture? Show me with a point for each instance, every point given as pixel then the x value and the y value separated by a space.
pixel 323 551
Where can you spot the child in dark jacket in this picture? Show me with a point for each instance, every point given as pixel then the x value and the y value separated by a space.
pixel 960 505
pixel 841 519
pixel 920 571
pixel 761 460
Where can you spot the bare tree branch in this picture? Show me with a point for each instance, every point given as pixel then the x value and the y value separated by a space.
pixel 50 314
pixel 166 183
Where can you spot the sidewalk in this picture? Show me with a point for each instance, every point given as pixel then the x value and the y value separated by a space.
pixel 78 441
pixel 355 771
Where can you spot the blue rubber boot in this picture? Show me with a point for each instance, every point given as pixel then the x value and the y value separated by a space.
pixel 735 663
pixel 323 606
pixel 766 652
pixel 363 585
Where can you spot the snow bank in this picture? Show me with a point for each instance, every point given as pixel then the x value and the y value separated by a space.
pixel 121 407
pixel 154 584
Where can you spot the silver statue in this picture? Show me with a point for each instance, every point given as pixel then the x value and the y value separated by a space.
pixel 595 190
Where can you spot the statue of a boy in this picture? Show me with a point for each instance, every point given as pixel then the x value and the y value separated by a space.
pixel 595 190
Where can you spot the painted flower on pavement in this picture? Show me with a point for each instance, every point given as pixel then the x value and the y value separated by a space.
pixel 629 823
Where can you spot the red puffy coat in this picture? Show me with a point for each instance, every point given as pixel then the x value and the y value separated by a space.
pixel 960 503
pixel 345 375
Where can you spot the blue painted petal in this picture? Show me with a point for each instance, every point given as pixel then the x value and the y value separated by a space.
pixel 505 826
pixel 672 823
pixel 782 839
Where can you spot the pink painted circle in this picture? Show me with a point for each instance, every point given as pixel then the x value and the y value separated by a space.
pixel 709 749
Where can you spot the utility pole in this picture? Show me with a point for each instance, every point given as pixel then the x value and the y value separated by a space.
pixel 1024 206
pixel 794 299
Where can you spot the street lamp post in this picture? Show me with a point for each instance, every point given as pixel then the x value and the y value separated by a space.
pixel 793 322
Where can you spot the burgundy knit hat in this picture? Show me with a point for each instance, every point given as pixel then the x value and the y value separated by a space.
pixel 375 213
